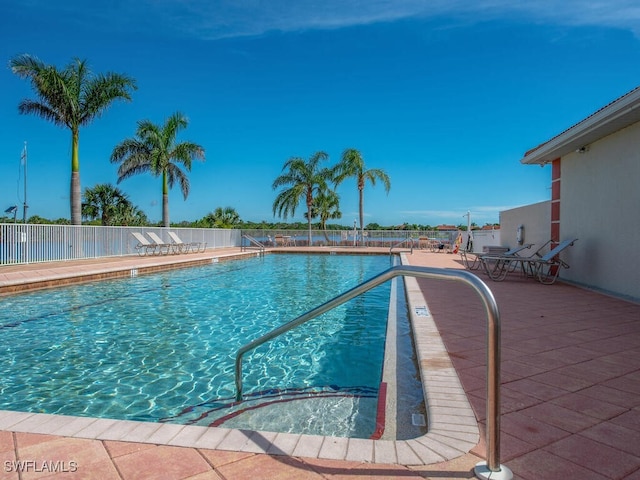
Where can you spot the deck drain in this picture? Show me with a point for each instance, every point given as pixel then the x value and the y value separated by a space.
pixel 417 419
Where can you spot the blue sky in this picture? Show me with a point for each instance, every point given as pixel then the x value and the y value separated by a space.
pixel 445 96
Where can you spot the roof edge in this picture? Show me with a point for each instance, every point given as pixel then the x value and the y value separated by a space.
pixel 595 126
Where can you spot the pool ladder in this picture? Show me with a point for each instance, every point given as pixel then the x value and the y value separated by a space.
pixel 252 241
pixel 406 240
pixel 489 469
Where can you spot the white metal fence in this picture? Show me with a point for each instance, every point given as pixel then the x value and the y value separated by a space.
pixel 346 238
pixel 27 243
pixel 371 238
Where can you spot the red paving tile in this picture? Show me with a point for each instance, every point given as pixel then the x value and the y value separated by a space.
pixel 541 464
pixel 570 396
pixel 602 410
pixel 616 436
pixel 161 462
pixel 595 456
pixel 271 467
pixel 570 420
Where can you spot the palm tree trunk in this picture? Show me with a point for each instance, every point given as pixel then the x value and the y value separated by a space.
pixel 75 194
pixel 309 222
pixel 165 201
pixel 361 195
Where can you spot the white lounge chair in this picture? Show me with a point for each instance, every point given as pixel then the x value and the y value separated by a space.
pixel 544 268
pixel 473 260
pixel 161 246
pixel 183 247
pixel 144 246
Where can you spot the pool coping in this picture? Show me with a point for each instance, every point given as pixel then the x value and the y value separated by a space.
pixel 453 429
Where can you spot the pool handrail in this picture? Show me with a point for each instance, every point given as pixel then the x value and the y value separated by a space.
pixel 252 240
pixel 400 243
pixel 483 469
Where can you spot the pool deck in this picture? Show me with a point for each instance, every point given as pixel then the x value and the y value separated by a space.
pixel 570 391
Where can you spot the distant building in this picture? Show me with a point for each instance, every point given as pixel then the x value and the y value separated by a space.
pixel 595 196
pixel 446 228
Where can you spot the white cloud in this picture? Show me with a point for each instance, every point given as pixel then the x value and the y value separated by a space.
pixel 215 19
pixel 480 214
pixel 232 18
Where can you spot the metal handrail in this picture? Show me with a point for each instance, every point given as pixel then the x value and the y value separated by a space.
pixel 254 241
pixel 493 343
pixel 401 242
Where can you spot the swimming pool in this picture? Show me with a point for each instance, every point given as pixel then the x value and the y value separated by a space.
pixel 161 347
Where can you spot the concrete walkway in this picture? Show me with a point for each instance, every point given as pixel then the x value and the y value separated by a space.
pixel 570 390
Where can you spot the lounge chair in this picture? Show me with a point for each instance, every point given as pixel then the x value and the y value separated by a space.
pixel 544 269
pixel 162 247
pixel 473 261
pixel 144 246
pixel 497 266
pixel 183 247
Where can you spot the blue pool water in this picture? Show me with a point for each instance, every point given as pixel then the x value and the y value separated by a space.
pixel 161 347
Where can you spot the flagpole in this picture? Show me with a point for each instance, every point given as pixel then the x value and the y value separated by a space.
pixel 24 208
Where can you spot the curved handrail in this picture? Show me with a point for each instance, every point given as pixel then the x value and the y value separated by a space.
pixel 493 340
pixel 401 242
pixel 254 241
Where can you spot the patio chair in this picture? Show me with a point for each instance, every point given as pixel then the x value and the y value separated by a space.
pixel 473 261
pixel 544 269
pixel 547 268
pixel 183 247
pixel 144 246
pixel 162 247
pixel 497 266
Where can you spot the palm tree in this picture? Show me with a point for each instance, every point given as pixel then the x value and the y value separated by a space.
pixel 352 165
pixel 302 180
pixel 70 98
pixel 326 206
pixel 103 201
pixel 226 217
pixel 155 150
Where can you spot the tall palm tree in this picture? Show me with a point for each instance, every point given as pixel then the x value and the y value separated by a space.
pixel 72 98
pixel 103 201
pixel 154 150
pixel 352 165
pixel 302 180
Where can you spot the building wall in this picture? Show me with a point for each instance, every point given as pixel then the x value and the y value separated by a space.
pixel 535 218
pixel 600 205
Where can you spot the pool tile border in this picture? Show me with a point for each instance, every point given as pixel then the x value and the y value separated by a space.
pixel 453 429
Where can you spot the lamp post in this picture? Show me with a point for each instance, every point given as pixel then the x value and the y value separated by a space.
pixel 355 232
pixel 23 157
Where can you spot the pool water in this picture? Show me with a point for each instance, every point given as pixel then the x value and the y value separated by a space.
pixel 162 347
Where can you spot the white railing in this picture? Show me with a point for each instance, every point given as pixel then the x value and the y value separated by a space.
pixel 30 243
pixel 345 238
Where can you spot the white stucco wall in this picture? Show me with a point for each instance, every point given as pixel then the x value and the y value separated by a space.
pixel 600 205
pixel 536 219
